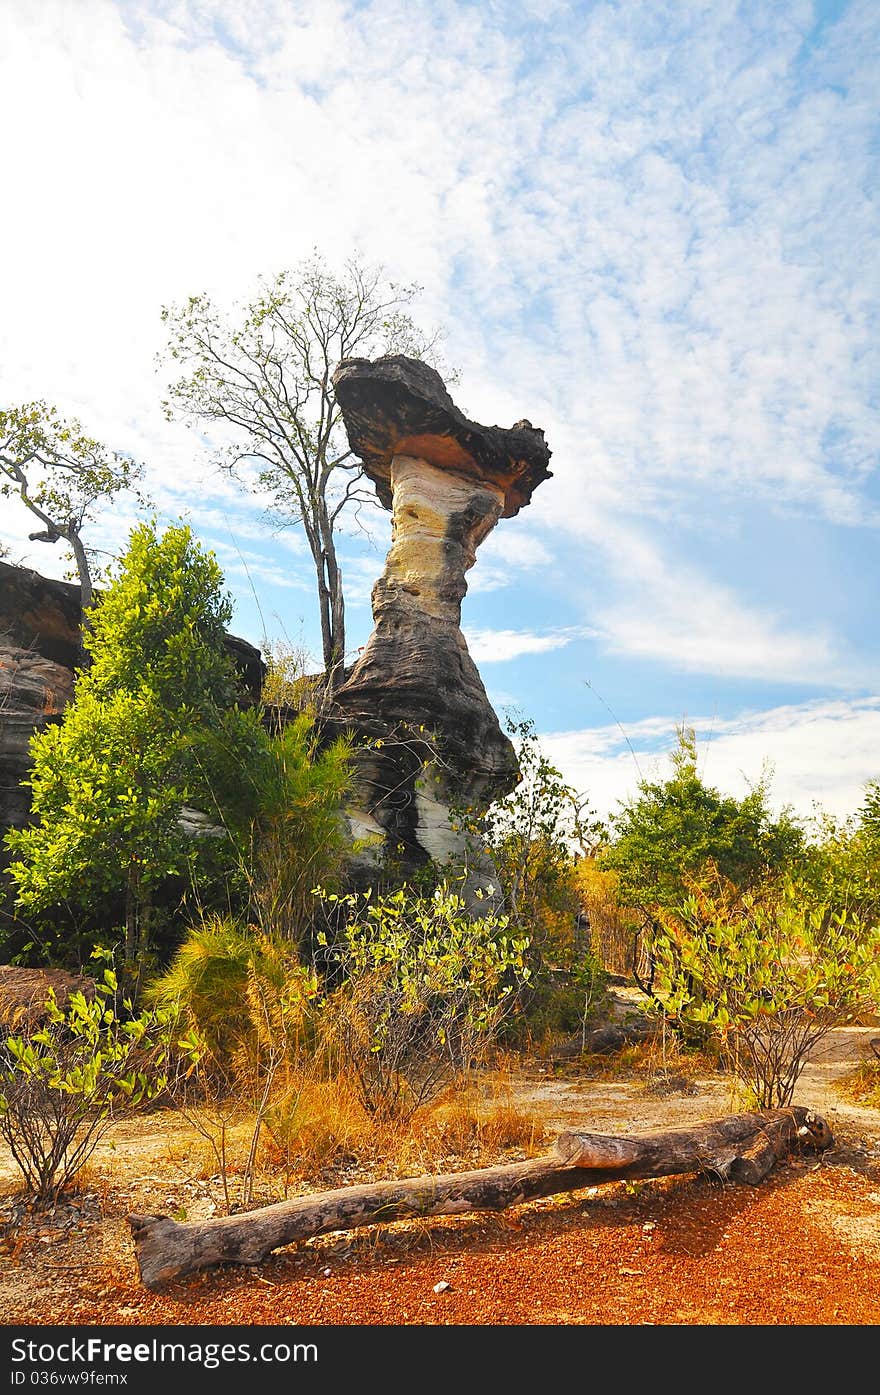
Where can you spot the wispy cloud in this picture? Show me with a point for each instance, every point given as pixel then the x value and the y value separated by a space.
pixel 500 646
pixel 658 247
pixel 507 553
pixel 667 611
pixel 649 228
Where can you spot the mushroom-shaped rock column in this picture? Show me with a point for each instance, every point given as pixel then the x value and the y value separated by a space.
pixel 415 688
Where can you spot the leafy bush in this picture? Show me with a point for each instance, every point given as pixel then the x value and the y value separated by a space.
pixel 767 976
pixel 675 829
pixel 423 990
pixel 62 1084
pixel 564 1000
pixel 843 858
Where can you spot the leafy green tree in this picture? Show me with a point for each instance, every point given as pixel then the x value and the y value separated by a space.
pixel 767 976
pixel 111 782
pixel 842 866
pixel 863 862
pixel 263 376
pixel 62 476
pixel 869 815
pixel 161 626
pixel 108 786
pixel 675 829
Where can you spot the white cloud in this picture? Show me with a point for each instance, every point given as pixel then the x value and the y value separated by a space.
pixel 507 552
pixel 814 753
pixel 659 247
pixel 685 621
pixel 666 610
pixel 499 646
pixel 647 227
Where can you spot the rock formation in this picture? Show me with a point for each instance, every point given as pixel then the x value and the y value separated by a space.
pixel 415 689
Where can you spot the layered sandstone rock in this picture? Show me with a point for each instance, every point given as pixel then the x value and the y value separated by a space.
pixel 39 647
pixel 415 690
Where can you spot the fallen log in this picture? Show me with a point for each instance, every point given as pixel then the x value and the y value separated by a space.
pixel 737 1148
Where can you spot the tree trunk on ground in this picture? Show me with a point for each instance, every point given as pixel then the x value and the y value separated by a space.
pixel 738 1148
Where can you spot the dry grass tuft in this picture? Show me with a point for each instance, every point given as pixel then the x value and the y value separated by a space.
pixel 464 1122
pixel 862 1085
pixel 319 1124
pixel 323 1130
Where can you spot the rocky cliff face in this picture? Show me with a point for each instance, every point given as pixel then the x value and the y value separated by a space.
pixel 415 688
pixel 39 650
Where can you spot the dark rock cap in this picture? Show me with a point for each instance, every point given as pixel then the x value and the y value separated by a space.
pixel 399 406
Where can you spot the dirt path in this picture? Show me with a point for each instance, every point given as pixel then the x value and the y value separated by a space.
pixel 626 1104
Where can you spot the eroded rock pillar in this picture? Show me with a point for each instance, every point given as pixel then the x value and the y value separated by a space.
pixel 437 746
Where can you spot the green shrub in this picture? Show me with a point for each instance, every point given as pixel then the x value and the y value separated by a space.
pixel 294 836
pixel 246 1006
pixel 565 1000
pixel 62 1084
pixel 675 830
pixel 767 977
pixel 219 981
pixel 423 990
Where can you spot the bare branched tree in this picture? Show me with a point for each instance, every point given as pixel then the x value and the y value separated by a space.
pixel 264 376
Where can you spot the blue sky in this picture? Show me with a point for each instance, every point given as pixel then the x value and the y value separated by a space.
pixel 651 228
